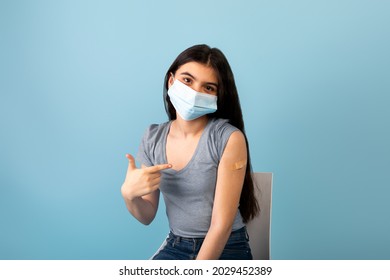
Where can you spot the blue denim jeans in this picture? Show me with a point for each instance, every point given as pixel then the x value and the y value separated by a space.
pixel 183 248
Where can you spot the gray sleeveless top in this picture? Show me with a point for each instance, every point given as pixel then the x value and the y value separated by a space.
pixel 189 193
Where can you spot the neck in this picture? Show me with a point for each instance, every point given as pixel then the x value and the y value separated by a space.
pixel 190 128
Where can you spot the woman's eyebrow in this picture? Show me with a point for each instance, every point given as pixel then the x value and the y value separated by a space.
pixel 189 74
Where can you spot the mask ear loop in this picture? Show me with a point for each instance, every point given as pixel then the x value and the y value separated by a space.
pixel 165 91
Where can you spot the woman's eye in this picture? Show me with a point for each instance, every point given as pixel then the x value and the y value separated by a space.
pixel 187 80
pixel 210 89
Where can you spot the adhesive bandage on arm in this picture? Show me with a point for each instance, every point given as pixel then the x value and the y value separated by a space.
pixel 239 164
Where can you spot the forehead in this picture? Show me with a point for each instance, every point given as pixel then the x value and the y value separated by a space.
pixel 200 71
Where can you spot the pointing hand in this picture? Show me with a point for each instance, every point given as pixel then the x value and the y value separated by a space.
pixel 141 181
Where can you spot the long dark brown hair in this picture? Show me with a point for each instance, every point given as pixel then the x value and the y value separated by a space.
pixel 229 108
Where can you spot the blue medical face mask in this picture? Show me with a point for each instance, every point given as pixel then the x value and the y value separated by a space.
pixel 190 104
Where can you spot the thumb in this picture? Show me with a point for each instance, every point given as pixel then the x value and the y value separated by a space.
pixel 132 165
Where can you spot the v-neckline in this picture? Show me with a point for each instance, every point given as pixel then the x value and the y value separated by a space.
pixel 189 163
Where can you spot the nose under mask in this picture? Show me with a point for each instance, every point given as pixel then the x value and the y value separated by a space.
pixel 190 104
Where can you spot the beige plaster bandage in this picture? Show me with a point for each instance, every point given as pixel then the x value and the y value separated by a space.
pixel 239 164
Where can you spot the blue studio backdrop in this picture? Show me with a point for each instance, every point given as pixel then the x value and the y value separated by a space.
pixel 81 80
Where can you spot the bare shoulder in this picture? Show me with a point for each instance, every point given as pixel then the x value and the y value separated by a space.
pixel 235 148
pixel 237 137
pixel 236 141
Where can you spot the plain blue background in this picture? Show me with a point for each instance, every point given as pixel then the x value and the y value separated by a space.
pixel 81 80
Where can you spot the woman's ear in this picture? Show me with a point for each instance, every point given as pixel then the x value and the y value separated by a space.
pixel 171 80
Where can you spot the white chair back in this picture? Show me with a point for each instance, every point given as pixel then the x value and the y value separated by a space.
pixel 259 229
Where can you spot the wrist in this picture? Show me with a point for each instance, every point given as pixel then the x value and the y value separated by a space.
pixel 127 195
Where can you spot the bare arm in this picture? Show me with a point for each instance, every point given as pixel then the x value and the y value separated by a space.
pixel 140 190
pixel 227 196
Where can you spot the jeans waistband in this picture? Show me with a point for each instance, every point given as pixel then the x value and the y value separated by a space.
pixel 197 239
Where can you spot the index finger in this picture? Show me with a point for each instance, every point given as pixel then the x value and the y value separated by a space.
pixel 156 168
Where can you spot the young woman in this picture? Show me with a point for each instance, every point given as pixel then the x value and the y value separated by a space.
pixel 199 160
